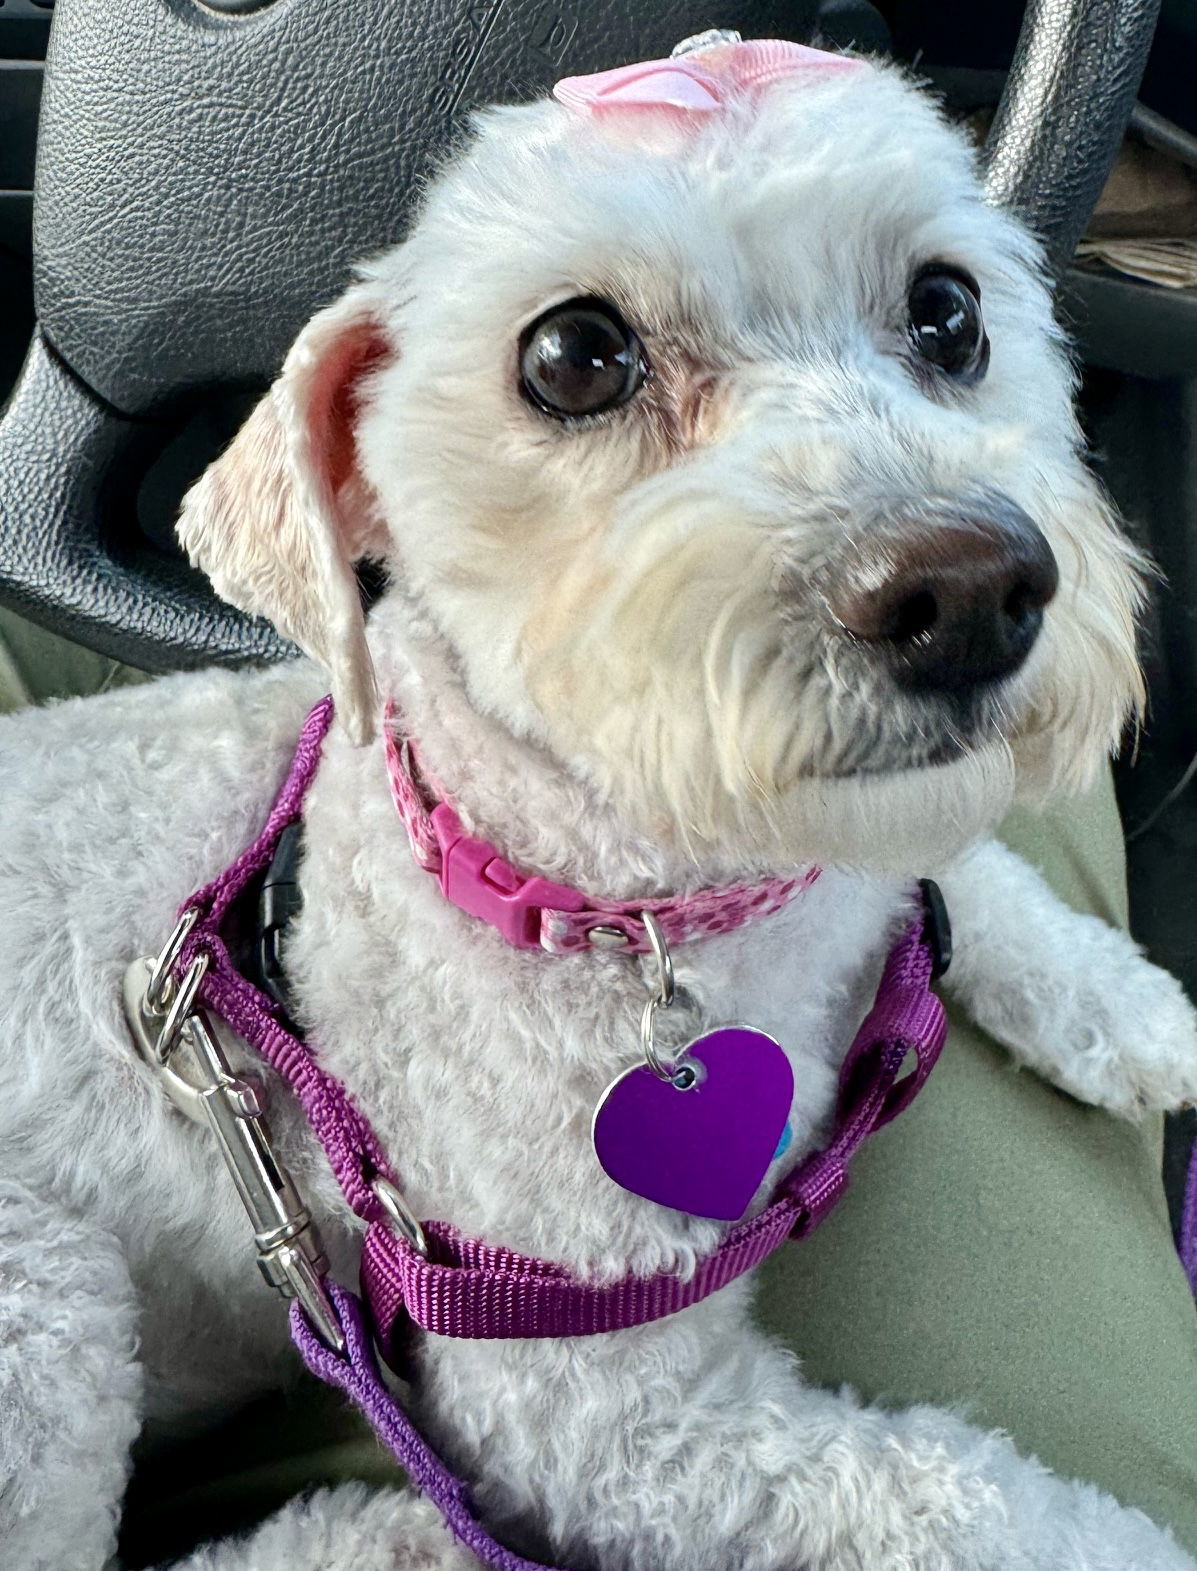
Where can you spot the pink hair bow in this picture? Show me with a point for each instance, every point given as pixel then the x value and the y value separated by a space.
pixel 700 76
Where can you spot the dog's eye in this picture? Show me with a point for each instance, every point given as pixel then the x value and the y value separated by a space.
pixel 944 322
pixel 580 358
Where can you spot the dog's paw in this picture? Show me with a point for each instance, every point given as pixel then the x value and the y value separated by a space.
pixel 1069 995
pixel 1135 1036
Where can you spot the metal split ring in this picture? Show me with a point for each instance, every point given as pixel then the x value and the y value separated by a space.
pixel 652 1058
pixel 155 993
pixel 400 1213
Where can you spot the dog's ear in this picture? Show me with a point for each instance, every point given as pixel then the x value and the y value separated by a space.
pixel 278 521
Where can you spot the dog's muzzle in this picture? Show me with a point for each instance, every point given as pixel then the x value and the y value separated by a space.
pixel 949 604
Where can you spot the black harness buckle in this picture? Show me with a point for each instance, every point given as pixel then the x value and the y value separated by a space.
pixel 280 900
pixel 937 927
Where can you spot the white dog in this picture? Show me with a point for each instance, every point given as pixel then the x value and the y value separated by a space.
pixel 722 460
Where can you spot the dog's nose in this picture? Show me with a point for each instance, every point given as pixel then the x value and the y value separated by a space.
pixel 952 606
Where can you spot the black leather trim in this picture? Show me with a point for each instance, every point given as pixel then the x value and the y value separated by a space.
pixel 1067 100
pixel 62 449
pixel 205 182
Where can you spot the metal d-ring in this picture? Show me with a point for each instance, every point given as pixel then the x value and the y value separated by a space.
pixel 400 1213
pixel 155 992
pixel 666 996
pixel 665 986
pixel 181 1006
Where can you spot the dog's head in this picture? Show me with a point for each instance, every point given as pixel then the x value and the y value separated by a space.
pixel 733 455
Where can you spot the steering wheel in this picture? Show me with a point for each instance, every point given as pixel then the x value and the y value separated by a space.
pixel 209 169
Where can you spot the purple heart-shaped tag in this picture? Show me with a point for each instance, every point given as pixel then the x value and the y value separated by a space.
pixel 703 1150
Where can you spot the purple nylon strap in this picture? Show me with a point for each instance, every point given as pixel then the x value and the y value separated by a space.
pixel 469 1288
pixel 356 1373
pixel 353 1150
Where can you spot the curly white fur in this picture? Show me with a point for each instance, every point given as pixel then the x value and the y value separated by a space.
pixel 611 644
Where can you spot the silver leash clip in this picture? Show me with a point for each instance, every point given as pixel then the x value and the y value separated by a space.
pixel 176 1039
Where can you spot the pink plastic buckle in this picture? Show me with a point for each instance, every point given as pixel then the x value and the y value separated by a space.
pixel 478 881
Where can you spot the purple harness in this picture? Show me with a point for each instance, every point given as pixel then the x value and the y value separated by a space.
pixel 431 1277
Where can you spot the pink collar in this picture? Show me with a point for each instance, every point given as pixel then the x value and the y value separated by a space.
pixel 535 913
